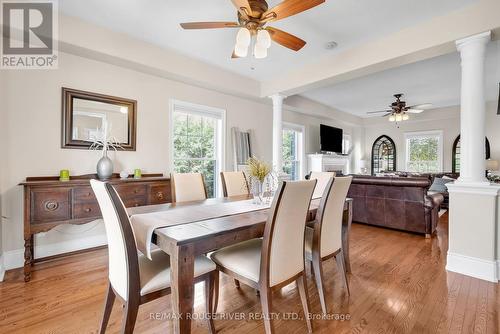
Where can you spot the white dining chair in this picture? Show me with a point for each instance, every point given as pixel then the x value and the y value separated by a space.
pixel 133 278
pixel 322 178
pixel 234 184
pixel 324 238
pixel 187 187
pixel 277 259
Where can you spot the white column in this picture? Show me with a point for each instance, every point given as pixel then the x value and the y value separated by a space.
pixel 473 110
pixel 278 131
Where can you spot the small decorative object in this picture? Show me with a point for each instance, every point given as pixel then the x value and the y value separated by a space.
pixel 137 173
pixel 492 166
pixel 64 175
pixel 123 174
pixel 262 180
pixel 105 165
pixel 362 167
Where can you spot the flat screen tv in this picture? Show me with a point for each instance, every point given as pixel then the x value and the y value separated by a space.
pixel 330 138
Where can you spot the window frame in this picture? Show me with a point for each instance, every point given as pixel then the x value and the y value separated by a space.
pixel 302 143
pixel 204 111
pixel 424 134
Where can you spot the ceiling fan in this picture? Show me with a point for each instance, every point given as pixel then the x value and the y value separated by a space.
pixel 399 111
pixel 253 15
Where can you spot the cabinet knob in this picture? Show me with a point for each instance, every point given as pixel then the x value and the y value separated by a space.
pixel 51 205
pixel 88 209
pixel 136 204
pixel 159 195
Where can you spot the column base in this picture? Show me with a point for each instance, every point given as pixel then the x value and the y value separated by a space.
pixel 474 267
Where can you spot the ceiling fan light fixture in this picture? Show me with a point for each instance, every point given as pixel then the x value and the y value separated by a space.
pixel 243 38
pixel 241 50
pixel 399 118
pixel 392 118
pixel 406 117
pixel 260 51
pixel 264 38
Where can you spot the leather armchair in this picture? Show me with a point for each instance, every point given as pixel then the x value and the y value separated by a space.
pixel 398 203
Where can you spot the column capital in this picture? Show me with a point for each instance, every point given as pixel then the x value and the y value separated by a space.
pixel 278 97
pixel 482 38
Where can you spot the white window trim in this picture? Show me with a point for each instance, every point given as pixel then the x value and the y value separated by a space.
pixel 302 148
pixel 418 134
pixel 202 110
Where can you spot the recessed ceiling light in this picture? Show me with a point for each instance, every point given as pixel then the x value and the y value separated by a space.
pixel 331 45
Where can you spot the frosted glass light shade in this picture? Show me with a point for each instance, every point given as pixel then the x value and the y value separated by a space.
pixel 243 37
pixel 259 51
pixel 392 118
pixel 241 50
pixel 406 117
pixel 399 118
pixel 264 38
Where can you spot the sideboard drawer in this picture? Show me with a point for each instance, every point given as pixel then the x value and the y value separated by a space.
pixel 50 205
pixel 128 191
pixel 86 210
pixel 134 201
pixel 84 194
pixel 159 194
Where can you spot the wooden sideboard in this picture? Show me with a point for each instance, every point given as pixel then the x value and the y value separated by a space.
pixel 49 202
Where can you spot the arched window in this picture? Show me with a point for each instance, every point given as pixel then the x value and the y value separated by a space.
pixel 455 164
pixel 383 155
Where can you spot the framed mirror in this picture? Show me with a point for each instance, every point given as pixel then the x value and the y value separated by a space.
pixel 86 114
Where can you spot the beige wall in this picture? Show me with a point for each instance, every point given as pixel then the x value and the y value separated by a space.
pixel 445 119
pixel 3 154
pixel 33 102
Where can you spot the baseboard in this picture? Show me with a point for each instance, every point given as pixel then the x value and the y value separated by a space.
pixel 15 258
pixel 474 267
pixel 2 268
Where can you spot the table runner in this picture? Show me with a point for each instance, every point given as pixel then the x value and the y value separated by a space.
pixel 144 224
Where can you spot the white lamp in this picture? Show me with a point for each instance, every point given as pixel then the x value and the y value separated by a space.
pixel 264 39
pixel 492 165
pixel 260 51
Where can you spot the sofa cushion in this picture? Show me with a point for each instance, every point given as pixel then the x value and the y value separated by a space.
pixel 439 185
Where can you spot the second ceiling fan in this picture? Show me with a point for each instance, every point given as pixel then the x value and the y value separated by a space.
pixel 399 110
pixel 253 15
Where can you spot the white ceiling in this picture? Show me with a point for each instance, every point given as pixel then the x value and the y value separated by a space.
pixel 435 81
pixel 348 22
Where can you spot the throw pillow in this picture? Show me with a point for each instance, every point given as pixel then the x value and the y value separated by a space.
pixel 439 185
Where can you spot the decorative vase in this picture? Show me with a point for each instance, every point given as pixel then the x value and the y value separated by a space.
pixel 104 167
pixel 258 192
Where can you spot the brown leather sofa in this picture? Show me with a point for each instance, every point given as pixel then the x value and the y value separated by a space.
pixel 398 203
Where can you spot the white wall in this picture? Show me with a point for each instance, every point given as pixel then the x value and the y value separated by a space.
pixel 3 165
pixel 445 119
pixel 33 104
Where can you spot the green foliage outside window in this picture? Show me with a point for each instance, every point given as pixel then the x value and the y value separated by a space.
pixel 423 154
pixel 290 159
pixel 194 142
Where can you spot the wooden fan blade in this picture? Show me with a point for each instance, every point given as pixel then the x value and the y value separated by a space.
pixel 287 40
pixel 414 111
pixel 378 112
pixel 289 8
pixel 209 25
pixel 243 7
pixel 423 106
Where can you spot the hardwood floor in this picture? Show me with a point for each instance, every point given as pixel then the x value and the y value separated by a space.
pixel 398 285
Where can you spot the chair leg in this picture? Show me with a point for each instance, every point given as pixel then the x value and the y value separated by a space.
pixel 108 306
pixel 130 316
pixel 318 277
pixel 216 292
pixel 236 283
pixel 304 297
pixel 343 272
pixel 267 305
pixel 209 299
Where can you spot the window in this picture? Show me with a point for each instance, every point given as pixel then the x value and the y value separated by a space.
pixel 424 152
pixel 197 134
pixel 383 155
pixel 293 148
pixel 455 166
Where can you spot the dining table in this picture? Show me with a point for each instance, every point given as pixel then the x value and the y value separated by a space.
pixel 196 236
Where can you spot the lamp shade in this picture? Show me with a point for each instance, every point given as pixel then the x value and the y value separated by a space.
pixel 243 37
pixel 260 51
pixel 492 165
pixel 241 50
pixel 264 39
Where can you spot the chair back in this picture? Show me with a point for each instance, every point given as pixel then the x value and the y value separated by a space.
pixel 187 187
pixel 122 258
pixel 283 242
pixel 234 183
pixel 323 178
pixel 330 214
